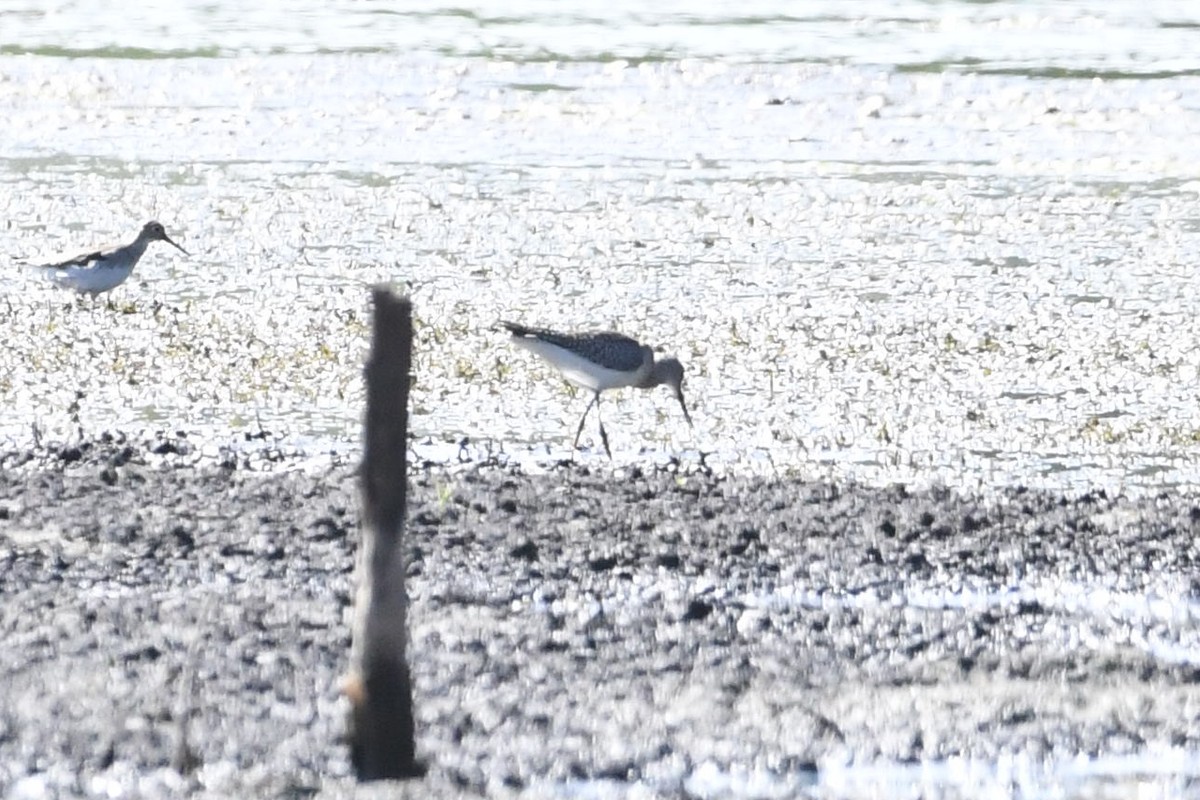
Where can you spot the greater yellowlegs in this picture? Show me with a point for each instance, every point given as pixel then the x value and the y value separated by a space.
pixel 599 361
pixel 98 271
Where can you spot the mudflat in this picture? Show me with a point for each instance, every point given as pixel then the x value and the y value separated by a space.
pixel 180 624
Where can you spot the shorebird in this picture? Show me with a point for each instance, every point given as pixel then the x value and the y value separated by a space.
pixel 599 361
pixel 98 271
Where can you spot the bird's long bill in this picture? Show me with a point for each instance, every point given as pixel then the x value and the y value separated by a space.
pixel 683 405
pixel 173 243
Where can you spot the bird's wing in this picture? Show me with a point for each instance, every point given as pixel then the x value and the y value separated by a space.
pixel 82 260
pixel 614 351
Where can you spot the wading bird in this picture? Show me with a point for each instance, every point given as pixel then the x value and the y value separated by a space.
pixel 600 361
pixel 98 271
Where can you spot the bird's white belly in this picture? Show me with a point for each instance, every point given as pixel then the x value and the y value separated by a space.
pixel 90 279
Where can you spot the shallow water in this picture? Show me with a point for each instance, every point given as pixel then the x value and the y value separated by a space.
pixel 988 294
pixel 1038 37
pixel 921 242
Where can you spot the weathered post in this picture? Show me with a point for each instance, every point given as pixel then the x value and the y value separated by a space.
pixel 382 738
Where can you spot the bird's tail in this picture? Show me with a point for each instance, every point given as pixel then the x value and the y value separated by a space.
pixel 517 329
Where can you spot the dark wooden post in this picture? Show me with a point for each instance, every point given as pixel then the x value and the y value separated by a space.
pixel 382 738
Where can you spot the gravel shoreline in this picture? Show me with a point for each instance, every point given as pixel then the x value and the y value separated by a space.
pixel 632 631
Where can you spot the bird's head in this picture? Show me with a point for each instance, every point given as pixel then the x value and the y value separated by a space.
pixel 670 373
pixel 154 232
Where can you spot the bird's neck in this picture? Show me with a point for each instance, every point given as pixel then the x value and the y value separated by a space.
pixel 654 376
pixel 138 246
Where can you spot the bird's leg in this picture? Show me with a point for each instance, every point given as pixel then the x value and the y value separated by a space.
pixel 603 435
pixel 583 419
